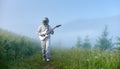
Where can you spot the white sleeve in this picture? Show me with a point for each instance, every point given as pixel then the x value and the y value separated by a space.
pixel 39 30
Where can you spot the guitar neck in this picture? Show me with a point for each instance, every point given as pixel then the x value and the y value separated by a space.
pixel 53 29
pixel 50 30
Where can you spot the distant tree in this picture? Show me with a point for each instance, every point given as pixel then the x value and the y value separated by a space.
pixel 86 44
pixel 79 43
pixel 118 43
pixel 103 42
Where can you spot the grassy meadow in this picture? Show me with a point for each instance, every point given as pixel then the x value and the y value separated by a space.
pixel 63 58
pixel 20 52
pixel 85 59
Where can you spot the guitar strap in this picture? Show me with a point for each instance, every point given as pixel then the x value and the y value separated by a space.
pixel 48 27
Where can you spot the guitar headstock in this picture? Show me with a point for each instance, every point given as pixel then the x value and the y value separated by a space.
pixel 58 26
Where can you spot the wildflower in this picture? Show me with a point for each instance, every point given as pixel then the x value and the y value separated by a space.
pixel 96 57
pixel 99 55
pixel 88 60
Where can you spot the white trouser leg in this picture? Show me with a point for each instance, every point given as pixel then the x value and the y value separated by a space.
pixel 43 49
pixel 48 48
pixel 45 45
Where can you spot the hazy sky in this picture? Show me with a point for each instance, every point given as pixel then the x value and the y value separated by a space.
pixel 24 16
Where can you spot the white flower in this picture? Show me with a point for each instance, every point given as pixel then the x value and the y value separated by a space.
pixel 99 54
pixel 88 60
pixel 96 57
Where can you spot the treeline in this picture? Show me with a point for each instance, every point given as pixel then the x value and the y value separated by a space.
pixel 15 47
pixel 103 42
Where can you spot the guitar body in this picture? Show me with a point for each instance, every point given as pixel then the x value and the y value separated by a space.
pixel 43 37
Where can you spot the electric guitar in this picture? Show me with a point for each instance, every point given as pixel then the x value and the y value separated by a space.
pixel 47 32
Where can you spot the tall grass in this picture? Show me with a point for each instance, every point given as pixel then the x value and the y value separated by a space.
pixel 85 59
pixel 14 47
pixel 64 58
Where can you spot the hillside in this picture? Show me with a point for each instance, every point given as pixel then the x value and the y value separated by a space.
pixel 20 52
pixel 14 47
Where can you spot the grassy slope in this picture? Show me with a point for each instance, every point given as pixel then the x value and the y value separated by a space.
pixel 72 59
pixel 85 59
pixel 14 47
